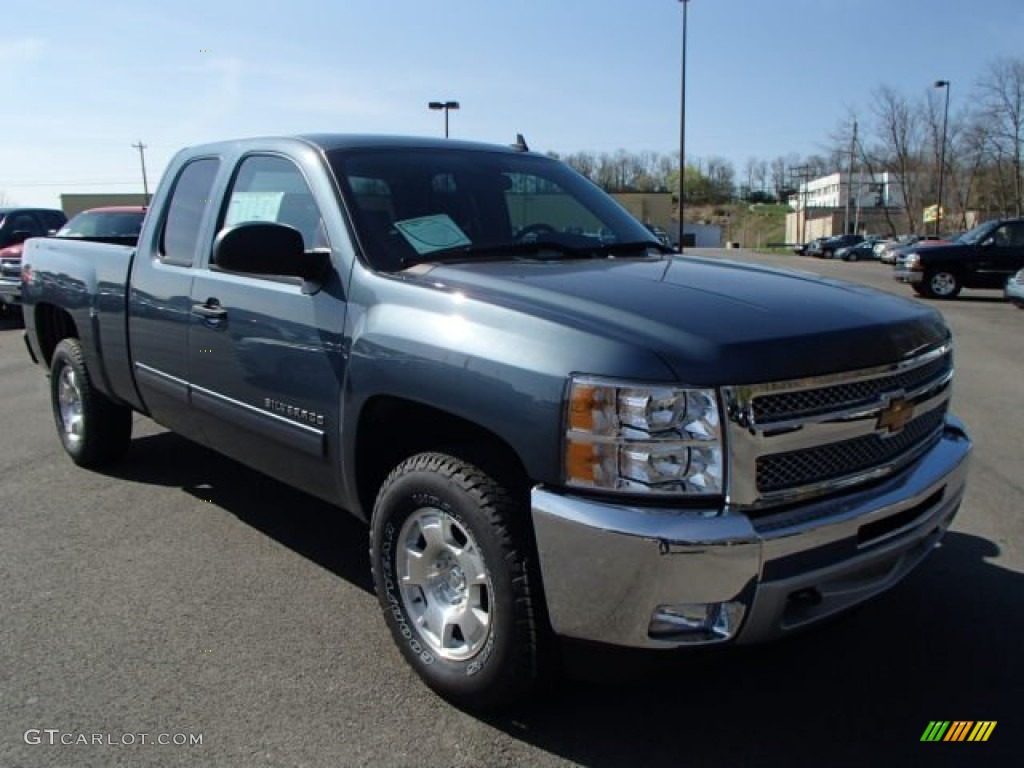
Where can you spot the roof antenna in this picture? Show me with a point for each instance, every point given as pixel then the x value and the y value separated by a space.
pixel 520 145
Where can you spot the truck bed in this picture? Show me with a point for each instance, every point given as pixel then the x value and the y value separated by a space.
pixel 88 281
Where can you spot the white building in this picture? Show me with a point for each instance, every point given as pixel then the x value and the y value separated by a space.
pixel 832 191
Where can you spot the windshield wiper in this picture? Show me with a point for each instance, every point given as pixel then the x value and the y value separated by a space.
pixel 622 249
pixel 545 249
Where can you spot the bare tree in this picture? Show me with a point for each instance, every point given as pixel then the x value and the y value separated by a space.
pixel 722 177
pixel 782 174
pixel 1002 90
pixel 872 161
pixel 761 176
pixel 898 131
pixel 749 172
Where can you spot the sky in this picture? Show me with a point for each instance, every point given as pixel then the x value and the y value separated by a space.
pixel 82 82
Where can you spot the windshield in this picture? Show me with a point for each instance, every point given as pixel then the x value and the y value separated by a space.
pixel 412 205
pixel 978 234
pixel 103 224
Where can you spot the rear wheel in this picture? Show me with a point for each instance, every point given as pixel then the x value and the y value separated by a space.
pixel 93 429
pixel 941 284
pixel 454 572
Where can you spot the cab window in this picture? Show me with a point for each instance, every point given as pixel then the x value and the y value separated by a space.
pixel 270 188
pixel 189 200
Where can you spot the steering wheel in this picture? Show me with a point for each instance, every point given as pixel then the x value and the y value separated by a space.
pixel 540 228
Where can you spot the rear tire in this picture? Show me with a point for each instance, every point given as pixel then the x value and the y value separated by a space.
pixel 455 574
pixel 93 429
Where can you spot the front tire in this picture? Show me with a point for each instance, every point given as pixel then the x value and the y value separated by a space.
pixel 942 284
pixel 453 569
pixel 94 430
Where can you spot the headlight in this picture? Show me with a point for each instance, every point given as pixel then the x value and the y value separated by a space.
pixel 643 438
pixel 912 261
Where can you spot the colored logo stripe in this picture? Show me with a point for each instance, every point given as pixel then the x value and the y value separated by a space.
pixel 958 730
pixel 982 730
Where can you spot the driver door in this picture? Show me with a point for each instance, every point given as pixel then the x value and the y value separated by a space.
pixel 265 358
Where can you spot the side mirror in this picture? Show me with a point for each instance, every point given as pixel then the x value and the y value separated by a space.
pixel 268 248
pixel 988 242
pixel 20 236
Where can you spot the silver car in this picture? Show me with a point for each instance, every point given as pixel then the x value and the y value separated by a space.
pixel 1014 290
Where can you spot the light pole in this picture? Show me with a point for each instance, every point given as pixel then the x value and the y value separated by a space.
pixel 682 138
pixel 942 154
pixel 445 105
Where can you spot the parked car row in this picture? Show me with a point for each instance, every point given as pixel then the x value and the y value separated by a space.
pixel 990 256
pixel 827 247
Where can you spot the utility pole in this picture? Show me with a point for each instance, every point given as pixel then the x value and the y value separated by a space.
pixel 803 173
pixel 142 157
pixel 942 157
pixel 849 181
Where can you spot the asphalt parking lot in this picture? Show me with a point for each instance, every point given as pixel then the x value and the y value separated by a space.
pixel 185 595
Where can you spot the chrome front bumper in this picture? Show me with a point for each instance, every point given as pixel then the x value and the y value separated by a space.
pixel 10 291
pixel 901 275
pixel 607 568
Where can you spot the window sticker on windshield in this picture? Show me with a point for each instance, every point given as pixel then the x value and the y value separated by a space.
pixel 432 233
pixel 253 206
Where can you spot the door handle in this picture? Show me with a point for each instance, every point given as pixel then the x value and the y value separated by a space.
pixel 211 310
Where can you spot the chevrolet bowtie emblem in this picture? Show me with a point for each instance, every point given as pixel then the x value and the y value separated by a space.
pixel 894 415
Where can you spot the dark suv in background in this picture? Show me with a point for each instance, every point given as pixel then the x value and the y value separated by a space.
pixel 16 226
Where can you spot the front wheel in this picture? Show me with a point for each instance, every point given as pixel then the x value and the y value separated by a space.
pixel 942 284
pixel 93 429
pixel 453 569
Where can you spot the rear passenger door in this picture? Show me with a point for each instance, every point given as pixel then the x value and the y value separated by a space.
pixel 1003 256
pixel 160 298
pixel 266 359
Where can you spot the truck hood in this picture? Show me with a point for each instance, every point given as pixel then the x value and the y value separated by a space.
pixel 712 321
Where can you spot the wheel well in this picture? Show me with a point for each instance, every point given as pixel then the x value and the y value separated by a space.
pixel 391 430
pixel 52 326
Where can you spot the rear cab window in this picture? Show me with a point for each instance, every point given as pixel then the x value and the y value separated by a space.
pixel 189 200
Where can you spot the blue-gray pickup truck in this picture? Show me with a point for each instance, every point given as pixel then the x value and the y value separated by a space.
pixel 553 425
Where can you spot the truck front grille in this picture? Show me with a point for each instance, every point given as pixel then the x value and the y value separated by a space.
pixel 808 402
pixel 810 437
pixel 10 268
pixel 829 462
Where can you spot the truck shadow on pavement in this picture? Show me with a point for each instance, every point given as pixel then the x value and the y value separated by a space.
pixel 943 645
pixel 318 531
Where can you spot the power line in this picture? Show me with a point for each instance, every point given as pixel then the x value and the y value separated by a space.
pixel 64 183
